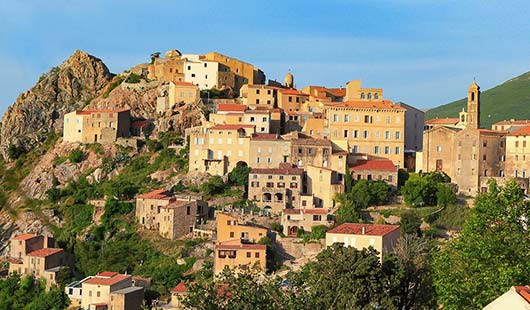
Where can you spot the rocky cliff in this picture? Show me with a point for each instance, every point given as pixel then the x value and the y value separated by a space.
pixel 63 89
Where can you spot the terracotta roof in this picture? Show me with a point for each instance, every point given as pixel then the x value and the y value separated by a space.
pixel 370 229
pixel 524 292
pixel 184 84
pixel 291 211
pixel 525 131
pixel 117 110
pixel 176 204
pixel 108 274
pixel 513 122
pixel 156 194
pixel 337 92
pixel 24 237
pixel 45 252
pixel 101 280
pixel 284 168
pixel 442 121
pixel 363 104
pixel 225 107
pixel 231 126
pixel 243 246
pixel 180 288
pixel 265 136
pixel 373 165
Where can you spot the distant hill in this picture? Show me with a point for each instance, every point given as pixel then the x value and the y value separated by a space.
pixel 508 100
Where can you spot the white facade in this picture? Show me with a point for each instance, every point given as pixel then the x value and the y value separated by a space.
pixel 201 73
pixel 73 127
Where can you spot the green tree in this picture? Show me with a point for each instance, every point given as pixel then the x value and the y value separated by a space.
pixel 239 176
pixel 445 195
pixel 419 191
pixel 491 254
pixel 348 211
pixel 76 156
pixel 215 185
pixel 410 223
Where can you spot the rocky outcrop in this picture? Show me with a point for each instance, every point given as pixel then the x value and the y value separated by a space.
pixel 63 89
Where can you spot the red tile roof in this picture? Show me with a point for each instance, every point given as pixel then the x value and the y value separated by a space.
pixel 306 211
pixel 24 237
pixel 184 84
pixel 513 122
pixel 45 252
pixel 374 165
pixel 101 280
pixel 525 131
pixel 243 246
pixel 370 229
pixel 231 127
pixel 265 136
pixel 363 104
pixel 442 121
pixel 284 168
pixel 156 194
pixel 291 92
pixel 337 92
pixel 231 107
pixel 180 288
pixel 108 274
pixel 524 292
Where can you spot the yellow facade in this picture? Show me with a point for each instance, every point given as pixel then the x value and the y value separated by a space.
pixel 229 228
pixel 259 96
pixel 240 256
pixel 96 126
pixel 244 72
pixel 376 129
pixel 323 184
pixel 354 92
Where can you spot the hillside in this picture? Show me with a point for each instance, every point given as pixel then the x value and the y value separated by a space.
pixel 508 100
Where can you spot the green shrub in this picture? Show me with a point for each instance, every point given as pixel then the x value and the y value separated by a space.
pixel 215 185
pixel 116 81
pixel 76 156
pixel 153 145
pixel 133 78
pixel 14 151
pixel 445 195
pixel 276 226
pixel 318 232
pixel 239 176
pixel 410 223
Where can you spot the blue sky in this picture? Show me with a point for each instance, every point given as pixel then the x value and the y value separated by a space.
pixel 423 52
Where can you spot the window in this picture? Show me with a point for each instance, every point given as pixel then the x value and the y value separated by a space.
pixel 193 75
pixel 439 148
pixel 257 91
pixel 388 120
pixel 317 217
pixel 270 184
pixel 256 255
pixel 355 149
pixel 290 99
pixel 484 157
pixel 376 149
pixel 249 254
pixel 231 234
pixel 367 119
pixel 369 96
pixel 398 150
pixel 484 143
pixel 387 149
pixel 98 294
pixel 293 185
pixel 398 135
pixel 363 96
pixel 335 118
pixel 355 134
pixel 188 210
pixel 516 143
pixel 346 118
pixel 387 135
pixel 376 96
pixel 365 134
pixel 345 133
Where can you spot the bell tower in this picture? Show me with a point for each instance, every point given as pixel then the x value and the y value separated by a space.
pixel 473 106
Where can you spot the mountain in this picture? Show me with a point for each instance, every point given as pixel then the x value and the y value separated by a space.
pixel 39 111
pixel 508 100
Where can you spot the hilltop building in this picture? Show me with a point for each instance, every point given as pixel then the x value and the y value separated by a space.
pixel 97 126
pixel 34 255
pixel 237 245
pixel 516 298
pixel 172 216
pixel 470 155
pixel 382 238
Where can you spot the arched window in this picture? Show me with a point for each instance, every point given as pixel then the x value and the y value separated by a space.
pixel 369 96
pixel 363 96
pixel 376 96
pixel 472 96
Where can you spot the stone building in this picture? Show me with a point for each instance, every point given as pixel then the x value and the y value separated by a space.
pixel 234 73
pixel 382 238
pixel 34 255
pixel 470 155
pixel 171 215
pixel 274 189
pixel 236 246
pixel 259 96
pixel 304 219
pixel 110 290
pixel 291 99
pixel 97 126
pixel 375 170
pixel 323 184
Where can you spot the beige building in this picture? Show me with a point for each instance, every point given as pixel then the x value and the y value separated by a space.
pixel 34 255
pixel 355 92
pixel 274 189
pixel 268 151
pixel 322 184
pixel 382 238
pixel 375 170
pixel 471 155
pixel 234 73
pixel 414 124
pixel 111 290
pixel 261 119
pixel 516 298
pixel 236 246
pixel 517 152
pixel 259 96
pixel 374 128
pixel 96 126
pixel 294 220
pixel 291 99
pixel 170 68
pixel 510 125
pixel 172 216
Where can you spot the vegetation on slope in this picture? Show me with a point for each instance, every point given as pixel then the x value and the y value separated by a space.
pixel 505 101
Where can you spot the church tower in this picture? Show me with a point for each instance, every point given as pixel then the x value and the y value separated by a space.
pixel 473 106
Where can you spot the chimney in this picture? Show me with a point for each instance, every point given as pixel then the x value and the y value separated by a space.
pixel 363 230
